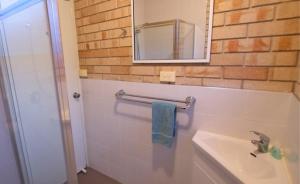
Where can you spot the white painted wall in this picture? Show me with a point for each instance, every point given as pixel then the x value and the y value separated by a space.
pixel 291 141
pixel 119 134
pixel 193 11
pixel 9 172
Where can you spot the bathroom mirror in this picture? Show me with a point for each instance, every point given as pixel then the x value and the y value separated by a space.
pixel 172 31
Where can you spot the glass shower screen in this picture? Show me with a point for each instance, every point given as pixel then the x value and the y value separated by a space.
pixel 165 40
pixel 30 77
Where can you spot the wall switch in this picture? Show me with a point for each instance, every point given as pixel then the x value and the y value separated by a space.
pixel 168 76
pixel 83 73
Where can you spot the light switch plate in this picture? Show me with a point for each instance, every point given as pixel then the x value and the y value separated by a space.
pixel 83 73
pixel 168 76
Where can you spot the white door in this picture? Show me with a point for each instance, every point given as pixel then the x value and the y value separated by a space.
pixel 71 60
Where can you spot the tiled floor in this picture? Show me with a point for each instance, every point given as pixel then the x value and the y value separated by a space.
pixel 94 177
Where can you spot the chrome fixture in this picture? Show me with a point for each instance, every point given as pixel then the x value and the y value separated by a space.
pixel 76 95
pixel 263 142
pixel 189 101
pixel 124 33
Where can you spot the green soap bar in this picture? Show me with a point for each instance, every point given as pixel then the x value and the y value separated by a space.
pixel 276 153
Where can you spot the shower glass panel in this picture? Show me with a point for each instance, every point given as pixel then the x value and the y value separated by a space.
pixel 167 40
pixel 31 88
pixel 186 37
pixel 9 168
pixel 148 45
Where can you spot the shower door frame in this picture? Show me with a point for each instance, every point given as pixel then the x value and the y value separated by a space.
pixel 61 90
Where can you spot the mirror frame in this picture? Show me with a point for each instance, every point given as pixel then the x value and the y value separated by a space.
pixel 183 61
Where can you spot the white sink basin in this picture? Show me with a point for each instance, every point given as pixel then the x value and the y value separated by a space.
pixel 234 155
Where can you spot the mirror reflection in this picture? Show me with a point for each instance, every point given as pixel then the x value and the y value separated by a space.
pixel 171 29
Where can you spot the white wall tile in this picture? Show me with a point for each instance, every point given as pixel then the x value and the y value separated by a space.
pixel 123 129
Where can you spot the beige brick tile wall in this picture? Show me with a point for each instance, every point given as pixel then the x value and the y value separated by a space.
pixel 256 45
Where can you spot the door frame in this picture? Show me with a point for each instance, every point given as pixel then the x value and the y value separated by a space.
pixel 61 84
pixel 61 89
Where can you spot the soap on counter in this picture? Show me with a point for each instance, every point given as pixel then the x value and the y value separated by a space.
pixel 276 153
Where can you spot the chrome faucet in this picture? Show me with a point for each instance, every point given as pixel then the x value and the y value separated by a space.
pixel 263 142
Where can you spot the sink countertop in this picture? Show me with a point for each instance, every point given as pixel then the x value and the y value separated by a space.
pixel 234 155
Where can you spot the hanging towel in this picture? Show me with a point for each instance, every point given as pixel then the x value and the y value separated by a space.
pixel 163 123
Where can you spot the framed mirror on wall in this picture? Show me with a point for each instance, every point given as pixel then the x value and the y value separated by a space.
pixel 172 31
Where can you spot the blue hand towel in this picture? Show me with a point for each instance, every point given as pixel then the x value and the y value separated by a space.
pixel 163 123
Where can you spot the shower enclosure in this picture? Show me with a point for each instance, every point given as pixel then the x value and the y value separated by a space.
pixel 171 39
pixel 33 92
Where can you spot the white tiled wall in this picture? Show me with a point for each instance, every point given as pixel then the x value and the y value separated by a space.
pixel 291 140
pixel 119 133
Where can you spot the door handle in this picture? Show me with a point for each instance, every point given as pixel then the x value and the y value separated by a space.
pixel 76 95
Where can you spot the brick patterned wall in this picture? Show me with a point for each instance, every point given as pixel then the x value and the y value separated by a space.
pixel 255 45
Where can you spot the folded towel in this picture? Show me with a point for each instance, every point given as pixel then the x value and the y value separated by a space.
pixel 163 123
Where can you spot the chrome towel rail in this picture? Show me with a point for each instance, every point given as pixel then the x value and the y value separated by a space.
pixel 189 101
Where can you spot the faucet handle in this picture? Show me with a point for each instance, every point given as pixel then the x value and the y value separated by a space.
pixel 262 136
pixel 263 143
